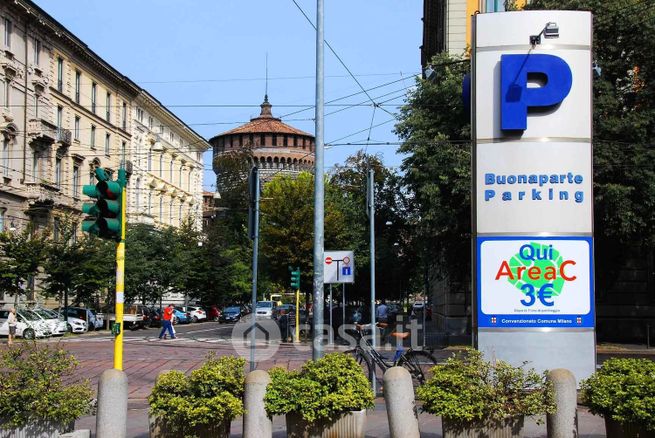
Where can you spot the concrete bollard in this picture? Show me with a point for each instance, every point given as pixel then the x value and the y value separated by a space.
pixel 111 420
pixel 564 422
pixel 399 398
pixel 256 423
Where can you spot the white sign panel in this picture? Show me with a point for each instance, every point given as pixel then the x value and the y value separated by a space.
pixel 529 187
pixel 338 267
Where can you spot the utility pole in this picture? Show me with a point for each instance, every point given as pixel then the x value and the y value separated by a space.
pixel 370 190
pixel 317 341
pixel 253 224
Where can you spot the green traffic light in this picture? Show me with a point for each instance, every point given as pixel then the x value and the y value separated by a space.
pixel 90 190
pixel 105 214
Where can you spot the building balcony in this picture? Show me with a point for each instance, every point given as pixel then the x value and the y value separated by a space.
pixel 64 136
pixel 42 131
pixel 41 192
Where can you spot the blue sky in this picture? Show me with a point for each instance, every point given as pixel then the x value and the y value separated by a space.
pixel 205 60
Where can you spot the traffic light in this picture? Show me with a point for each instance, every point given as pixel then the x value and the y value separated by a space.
pixel 295 278
pixel 104 216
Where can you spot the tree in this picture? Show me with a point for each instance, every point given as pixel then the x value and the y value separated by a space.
pixel 435 131
pixel 78 269
pixel 21 255
pixel 287 226
pixel 624 117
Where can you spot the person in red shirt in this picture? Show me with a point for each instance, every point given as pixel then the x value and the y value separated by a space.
pixel 167 323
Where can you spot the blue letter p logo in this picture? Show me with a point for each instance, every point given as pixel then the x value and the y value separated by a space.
pixel 516 97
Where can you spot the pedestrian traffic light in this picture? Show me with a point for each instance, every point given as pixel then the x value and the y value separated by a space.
pixel 295 278
pixel 103 216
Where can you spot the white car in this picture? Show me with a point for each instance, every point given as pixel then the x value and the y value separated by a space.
pixel 197 313
pixel 75 325
pixel 57 325
pixel 264 309
pixel 29 325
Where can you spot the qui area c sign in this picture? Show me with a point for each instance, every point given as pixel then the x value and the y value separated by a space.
pixel 535 282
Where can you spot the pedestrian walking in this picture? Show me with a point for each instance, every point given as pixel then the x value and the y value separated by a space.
pixel 12 322
pixel 167 323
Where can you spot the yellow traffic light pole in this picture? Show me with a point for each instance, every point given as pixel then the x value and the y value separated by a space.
pixel 297 315
pixel 120 285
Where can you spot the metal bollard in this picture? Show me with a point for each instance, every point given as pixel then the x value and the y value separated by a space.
pixel 256 423
pixel 111 420
pixel 399 398
pixel 564 422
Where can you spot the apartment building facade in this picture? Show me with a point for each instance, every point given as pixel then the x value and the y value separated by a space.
pixel 65 111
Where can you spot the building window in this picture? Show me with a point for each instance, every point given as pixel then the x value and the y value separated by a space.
pixel 139 115
pixel 171 136
pixel 36 169
pixel 124 115
pixel 94 92
pixel 78 82
pixel 138 194
pixel 56 226
pixel 149 160
pixel 150 122
pixel 76 129
pixel 8 30
pixel 107 144
pixel 285 141
pixel 262 139
pixel 58 172
pixel 36 54
pixel 251 140
pixel 76 181
pixel 161 129
pixel 60 117
pixel 295 141
pixel 108 109
pixel 274 140
pixel 5 157
pixel 60 74
pixel 93 137
pixel 189 181
pixel 123 149
pixel 6 88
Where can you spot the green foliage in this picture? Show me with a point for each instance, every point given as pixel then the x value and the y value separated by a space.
pixel 36 385
pixel 471 392
pixel 21 255
pixel 435 132
pixel 210 395
pixel 623 390
pixel 322 389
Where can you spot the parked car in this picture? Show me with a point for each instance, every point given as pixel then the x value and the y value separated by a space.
pixel 283 309
pixel 86 315
pixel 231 314
pixel 180 317
pixel 56 324
pixel 264 309
pixel 213 313
pixel 75 324
pixel 197 313
pixel 29 325
pixel 154 316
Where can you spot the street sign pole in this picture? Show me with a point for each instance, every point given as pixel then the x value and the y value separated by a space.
pixel 371 218
pixel 297 339
pixel 319 191
pixel 254 221
pixel 331 335
pixel 343 309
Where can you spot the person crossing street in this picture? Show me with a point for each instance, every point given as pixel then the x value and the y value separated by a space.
pixel 167 323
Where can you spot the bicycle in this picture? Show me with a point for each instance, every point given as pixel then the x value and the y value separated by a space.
pixel 417 362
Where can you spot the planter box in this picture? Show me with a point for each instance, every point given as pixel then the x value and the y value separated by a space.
pixel 159 429
pixel 509 428
pixel 37 429
pixel 349 425
pixel 615 429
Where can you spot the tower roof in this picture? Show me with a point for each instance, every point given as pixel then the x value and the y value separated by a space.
pixel 265 123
